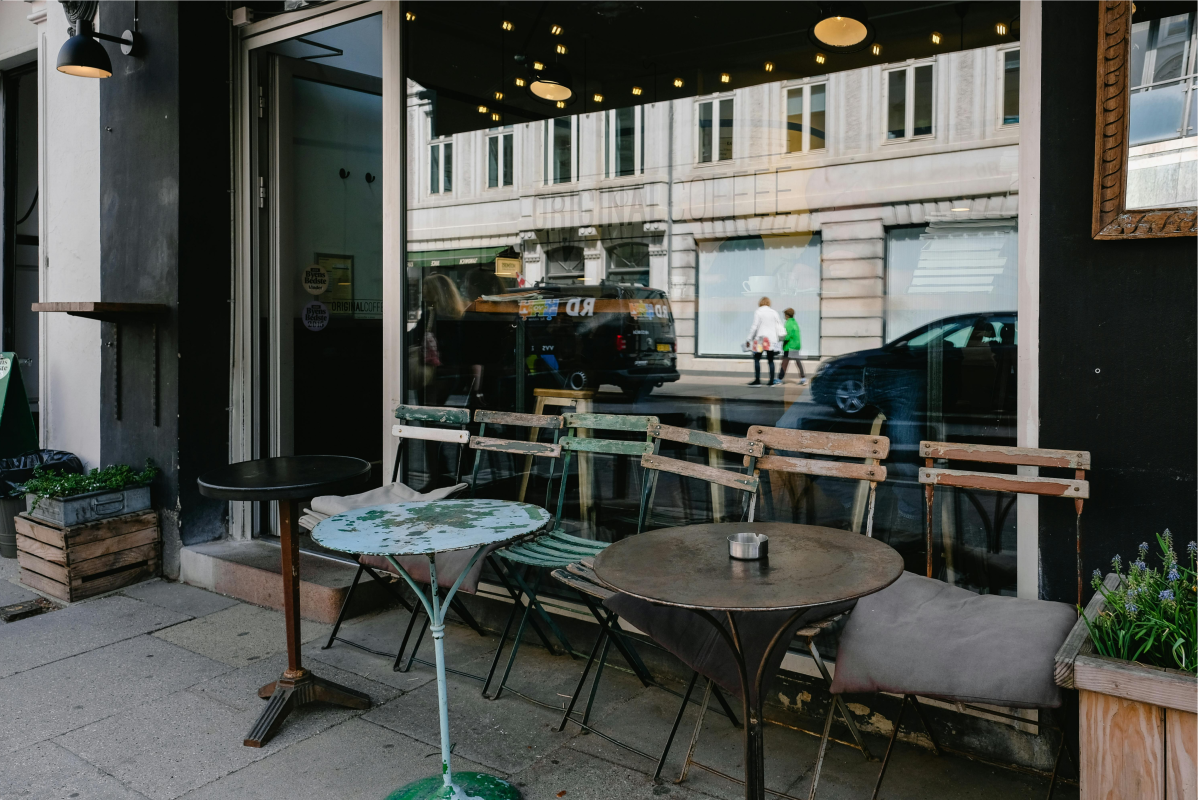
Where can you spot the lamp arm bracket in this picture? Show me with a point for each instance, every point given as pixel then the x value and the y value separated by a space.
pixel 130 42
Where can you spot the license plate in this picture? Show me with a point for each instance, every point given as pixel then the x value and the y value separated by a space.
pixel 664 348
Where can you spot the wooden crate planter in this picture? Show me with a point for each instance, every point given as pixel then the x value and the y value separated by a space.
pixel 1137 724
pixel 84 560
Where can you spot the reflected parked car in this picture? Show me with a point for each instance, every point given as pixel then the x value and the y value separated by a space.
pixel 971 358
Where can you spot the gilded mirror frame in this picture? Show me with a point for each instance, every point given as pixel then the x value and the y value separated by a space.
pixel 1110 218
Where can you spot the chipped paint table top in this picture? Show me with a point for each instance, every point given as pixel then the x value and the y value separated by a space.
pixel 429 526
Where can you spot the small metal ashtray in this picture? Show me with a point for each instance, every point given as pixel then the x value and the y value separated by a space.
pixel 748 546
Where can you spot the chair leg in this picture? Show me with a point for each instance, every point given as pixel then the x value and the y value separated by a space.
pixel 388 586
pixel 691 751
pixel 583 677
pixel 840 702
pixel 925 724
pixel 345 605
pixel 1062 739
pixel 515 593
pixel 412 620
pixel 512 615
pixel 536 605
pixel 465 615
pixel 608 619
pixel 512 655
pixel 678 718
pixel 812 789
pixel 888 753
pixel 725 707
pixel 587 709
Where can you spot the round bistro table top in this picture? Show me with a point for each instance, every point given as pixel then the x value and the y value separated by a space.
pixel 690 567
pixel 285 478
pixel 428 526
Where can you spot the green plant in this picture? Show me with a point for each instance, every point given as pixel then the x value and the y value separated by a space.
pixel 1151 616
pixel 52 483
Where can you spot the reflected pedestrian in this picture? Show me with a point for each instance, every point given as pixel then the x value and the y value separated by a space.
pixel 791 345
pixel 766 338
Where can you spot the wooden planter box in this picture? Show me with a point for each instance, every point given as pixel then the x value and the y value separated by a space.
pixel 1137 724
pixel 75 562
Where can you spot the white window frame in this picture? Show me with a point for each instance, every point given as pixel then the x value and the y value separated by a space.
pixel 805 145
pixel 548 151
pixel 610 142
pixel 440 143
pixel 715 99
pixel 499 134
pixel 910 88
pixel 1000 123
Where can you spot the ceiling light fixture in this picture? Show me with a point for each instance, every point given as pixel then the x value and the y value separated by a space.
pixel 506 25
pixel 935 37
pixel 876 49
pixel 495 117
pixel 820 58
pixel 410 16
pixel 842 27
pixel 498 95
pixel 1001 29
pixel 961 209
pixel 597 98
pixel 83 56
pixel 551 82
pixel 556 30
pixel 724 77
pixel 679 83
pixel 561 49
pixel 637 91
pixel 482 109
pixel 560 104
pixel 520 81
pixel 769 66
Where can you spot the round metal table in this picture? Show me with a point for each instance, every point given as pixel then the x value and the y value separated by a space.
pixel 427 528
pixel 287 479
pixel 690 567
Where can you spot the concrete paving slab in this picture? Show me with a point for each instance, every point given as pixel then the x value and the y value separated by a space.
pixel 53 699
pixel 39 640
pixel 239 635
pixel 47 771
pixel 383 632
pixel 179 597
pixel 238 688
pixel 579 776
pixel 352 760
pixel 11 593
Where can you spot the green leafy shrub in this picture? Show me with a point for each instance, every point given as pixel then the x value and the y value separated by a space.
pixel 1151 616
pixel 52 483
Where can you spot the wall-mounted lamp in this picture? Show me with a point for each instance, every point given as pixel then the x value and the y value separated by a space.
pixel 83 56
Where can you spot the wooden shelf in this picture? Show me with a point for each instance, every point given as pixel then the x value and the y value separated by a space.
pixel 106 312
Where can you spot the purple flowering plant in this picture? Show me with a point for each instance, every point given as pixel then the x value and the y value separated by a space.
pixel 1151 616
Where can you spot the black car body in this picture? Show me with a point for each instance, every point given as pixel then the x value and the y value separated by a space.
pixel 962 366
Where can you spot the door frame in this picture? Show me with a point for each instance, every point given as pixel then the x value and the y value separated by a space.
pixel 253 289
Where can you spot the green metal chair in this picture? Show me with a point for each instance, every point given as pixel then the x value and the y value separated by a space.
pixel 528 561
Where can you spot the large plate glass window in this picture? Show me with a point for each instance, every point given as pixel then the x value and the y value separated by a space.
pixel 909 101
pixel 806 118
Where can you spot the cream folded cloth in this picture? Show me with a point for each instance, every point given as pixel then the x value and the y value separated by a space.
pixel 327 505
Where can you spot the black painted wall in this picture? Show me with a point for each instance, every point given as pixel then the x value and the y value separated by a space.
pixel 1118 338
pixel 165 238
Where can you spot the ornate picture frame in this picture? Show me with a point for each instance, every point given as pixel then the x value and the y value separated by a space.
pixel 1110 219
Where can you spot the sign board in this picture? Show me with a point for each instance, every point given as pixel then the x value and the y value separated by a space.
pixel 508 267
pixel 17 432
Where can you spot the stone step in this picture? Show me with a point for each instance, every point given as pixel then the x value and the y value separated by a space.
pixel 251 571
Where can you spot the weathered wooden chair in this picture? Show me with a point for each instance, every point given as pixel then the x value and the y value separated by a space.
pixel 675 630
pixel 920 637
pixel 441 425
pixel 557 549
pixel 866 451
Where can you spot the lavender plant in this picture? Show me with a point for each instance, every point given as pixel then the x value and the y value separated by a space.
pixel 1151 616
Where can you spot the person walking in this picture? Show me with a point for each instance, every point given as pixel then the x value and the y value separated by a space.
pixel 791 345
pixel 766 338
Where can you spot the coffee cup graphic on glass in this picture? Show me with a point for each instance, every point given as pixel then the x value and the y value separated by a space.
pixel 759 284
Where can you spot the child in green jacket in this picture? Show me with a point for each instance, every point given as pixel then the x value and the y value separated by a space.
pixel 791 344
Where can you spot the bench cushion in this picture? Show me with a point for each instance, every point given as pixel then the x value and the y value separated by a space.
pixel 695 641
pixel 925 637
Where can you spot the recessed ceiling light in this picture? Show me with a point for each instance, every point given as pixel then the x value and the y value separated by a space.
pixel 820 58
pixel 498 95
pixel 561 49
pixel 769 66
pixel 556 29
pixel 876 49
pixel 506 25
pixel 1001 28
pixel 409 16
pixel 724 77
pixel 637 90
pixel 520 81
pixel 539 66
pixel 679 83
pixel 495 117
pixel 597 98
pixel 935 37
pixel 482 109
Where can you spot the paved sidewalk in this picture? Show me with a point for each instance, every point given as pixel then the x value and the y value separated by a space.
pixel 148 692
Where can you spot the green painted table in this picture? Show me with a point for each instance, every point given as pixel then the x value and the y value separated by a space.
pixel 427 528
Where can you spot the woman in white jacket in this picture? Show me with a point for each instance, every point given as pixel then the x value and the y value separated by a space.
pixel 766 338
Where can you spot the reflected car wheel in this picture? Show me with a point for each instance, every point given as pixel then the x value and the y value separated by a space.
pixel 578 380
pixel 851 396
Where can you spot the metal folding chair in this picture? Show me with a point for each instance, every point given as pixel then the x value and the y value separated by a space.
pixel 867 451
pixel 528 561
pixel 435 426
pixel 580 576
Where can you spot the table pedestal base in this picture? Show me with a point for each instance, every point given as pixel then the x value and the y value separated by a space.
pixel 297 688
pixel 466 786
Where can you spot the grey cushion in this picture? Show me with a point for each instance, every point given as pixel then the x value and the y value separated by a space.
pixel 449 565
pixel 695 642
pixel 923 636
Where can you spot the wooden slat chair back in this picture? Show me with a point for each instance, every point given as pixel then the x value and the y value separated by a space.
pixel 655 462
pixel 482 443
pixel 871 449
pixel 1076 489
pixel 431 416
pixel 579 440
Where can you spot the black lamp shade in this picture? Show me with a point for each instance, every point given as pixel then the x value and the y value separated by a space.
pixel 842 27
pixel 552 84
pixel 83 56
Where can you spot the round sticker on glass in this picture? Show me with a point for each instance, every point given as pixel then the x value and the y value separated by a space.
pixel 315 279
pixel 315 316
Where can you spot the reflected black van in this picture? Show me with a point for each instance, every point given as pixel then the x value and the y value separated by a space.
pixel 582 337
